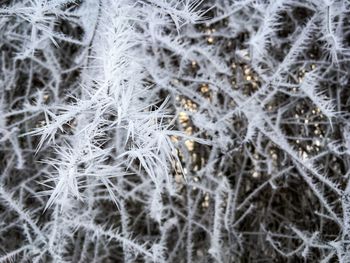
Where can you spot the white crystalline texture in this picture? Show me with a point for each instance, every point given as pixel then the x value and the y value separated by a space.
pixel 174 131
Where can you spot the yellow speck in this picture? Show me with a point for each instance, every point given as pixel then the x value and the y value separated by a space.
pixel 189 145
pixel 174 138
pixel 204 88
pixel 189 130
pixel 183 117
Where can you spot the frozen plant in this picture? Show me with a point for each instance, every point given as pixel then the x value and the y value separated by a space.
pixel 174 131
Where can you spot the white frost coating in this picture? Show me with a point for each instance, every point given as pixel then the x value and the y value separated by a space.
pixel 174 131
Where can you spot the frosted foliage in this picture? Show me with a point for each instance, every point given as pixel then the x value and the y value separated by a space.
pixel 174 131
